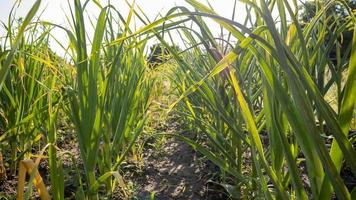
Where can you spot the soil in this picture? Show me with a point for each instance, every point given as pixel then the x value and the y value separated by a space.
pixel 170 171
pixel 177 172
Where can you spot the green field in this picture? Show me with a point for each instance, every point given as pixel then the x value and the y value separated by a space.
pixel 164 108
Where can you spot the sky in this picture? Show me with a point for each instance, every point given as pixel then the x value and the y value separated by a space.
pixel 56 10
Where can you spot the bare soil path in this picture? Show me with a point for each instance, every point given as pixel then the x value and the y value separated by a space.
pixel 176 171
